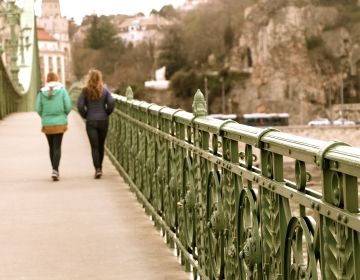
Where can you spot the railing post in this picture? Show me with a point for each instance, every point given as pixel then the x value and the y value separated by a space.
pixel 199 106
pixel 201 140
pixel 129 93
pixel 341 191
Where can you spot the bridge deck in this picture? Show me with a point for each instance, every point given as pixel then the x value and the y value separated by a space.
pixel 77 228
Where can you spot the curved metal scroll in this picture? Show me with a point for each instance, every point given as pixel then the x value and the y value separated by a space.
pixel 248 238
pixel 300 256
pixel 216 226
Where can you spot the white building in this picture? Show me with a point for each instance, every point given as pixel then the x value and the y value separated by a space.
pixel 52 55
pixel 57 26
pixel 160 81
pixel 139 29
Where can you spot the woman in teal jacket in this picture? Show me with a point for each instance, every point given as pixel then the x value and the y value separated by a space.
pixel 53 104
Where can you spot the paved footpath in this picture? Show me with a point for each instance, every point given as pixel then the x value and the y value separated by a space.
pixel 77 228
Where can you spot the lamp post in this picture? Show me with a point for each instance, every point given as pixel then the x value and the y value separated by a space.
pixel 330 105
pixel 222 95
pixel 24 45
pixel 343 73
pixel 206 89
pixel 341 94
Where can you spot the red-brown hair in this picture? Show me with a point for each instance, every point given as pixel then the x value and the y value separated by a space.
pixel 52 77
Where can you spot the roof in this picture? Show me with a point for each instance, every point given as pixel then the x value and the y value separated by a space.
pixel 43 35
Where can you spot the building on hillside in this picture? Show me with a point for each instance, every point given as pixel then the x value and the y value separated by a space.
pixel 80 34
pixel 52 55
pixel 160 81
pixel 142 29
pixel 57 26
pixel 191 4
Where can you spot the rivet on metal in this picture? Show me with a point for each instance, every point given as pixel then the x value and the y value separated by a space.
pixel 345 219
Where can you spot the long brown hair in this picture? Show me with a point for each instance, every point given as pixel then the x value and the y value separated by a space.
pixel 94 85
pixel 51 77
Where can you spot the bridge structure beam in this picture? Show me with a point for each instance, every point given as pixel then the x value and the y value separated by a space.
pixel 19 58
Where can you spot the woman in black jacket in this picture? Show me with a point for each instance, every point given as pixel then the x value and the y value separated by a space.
pixel 95 104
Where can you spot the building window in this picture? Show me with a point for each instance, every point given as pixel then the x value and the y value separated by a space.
pixel 51 66
pixel 59 65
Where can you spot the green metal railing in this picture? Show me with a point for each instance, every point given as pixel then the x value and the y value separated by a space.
pixel 19 94
pixel 218 192
pixel 9 96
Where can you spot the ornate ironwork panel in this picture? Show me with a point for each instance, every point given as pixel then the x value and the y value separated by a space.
pixel 240 202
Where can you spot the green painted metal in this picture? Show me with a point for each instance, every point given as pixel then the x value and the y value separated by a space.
pixel 74 92
pixel 20 80
pixel 219 193
pixel 12 13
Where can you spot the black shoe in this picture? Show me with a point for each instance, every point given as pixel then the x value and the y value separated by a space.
pixel 55 175
pixel 98 173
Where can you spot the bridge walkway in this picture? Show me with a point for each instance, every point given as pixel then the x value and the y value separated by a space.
pixel 77 228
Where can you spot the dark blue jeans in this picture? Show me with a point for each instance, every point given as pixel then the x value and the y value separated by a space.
pixel 54 141
pixel 97 131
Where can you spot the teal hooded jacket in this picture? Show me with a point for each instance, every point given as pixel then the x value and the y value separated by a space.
pixel 53 104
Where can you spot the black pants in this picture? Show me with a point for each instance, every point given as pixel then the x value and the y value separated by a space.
pixel 54 141
pixel 97 131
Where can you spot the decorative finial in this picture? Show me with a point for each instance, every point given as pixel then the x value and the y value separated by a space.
pixel 199 106
pixel 129 93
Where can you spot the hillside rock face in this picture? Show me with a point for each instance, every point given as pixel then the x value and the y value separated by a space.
pixel 283 57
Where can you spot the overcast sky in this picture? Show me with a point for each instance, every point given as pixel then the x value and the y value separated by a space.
pixel 78 9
